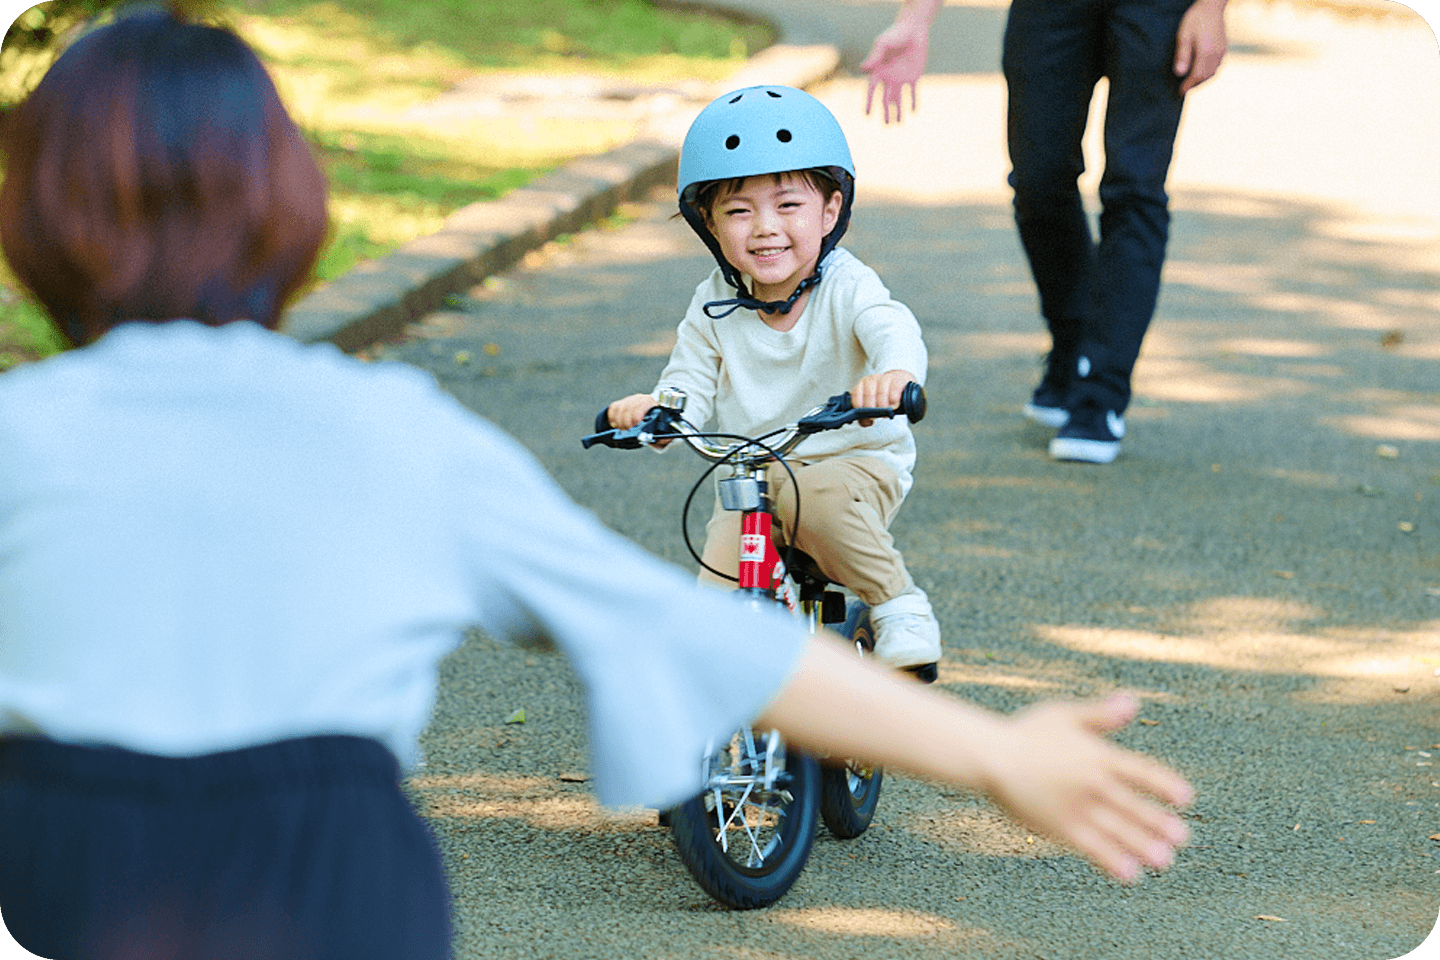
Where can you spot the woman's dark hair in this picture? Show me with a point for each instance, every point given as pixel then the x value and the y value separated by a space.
pixel 154 175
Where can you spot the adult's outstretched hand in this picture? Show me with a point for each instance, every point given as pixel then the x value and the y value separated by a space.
pixel 897 57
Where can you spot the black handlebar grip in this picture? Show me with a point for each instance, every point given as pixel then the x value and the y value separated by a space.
pixel 602 420
pixel 913 403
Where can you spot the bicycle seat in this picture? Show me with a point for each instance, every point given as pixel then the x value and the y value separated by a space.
pixel 804 569
pixel 814 585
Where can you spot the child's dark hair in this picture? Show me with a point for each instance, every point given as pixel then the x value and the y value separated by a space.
pixel 707 194
pixel 155 175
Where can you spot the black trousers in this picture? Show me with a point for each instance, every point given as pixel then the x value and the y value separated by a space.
pixel 300 849
pixel 1097 297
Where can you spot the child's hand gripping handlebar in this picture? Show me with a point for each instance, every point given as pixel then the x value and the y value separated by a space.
pixel 663 422
pixel 837 411
pixel 657 422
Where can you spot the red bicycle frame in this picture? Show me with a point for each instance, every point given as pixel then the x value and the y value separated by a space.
pixel 761 569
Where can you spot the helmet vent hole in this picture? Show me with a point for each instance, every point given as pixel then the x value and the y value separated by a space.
pixel 731 142
pixel 782 135
pixel 738 99
pixel 773 94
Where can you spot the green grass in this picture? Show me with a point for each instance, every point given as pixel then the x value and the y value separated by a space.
pixel 613 35
pixel 385 190
pixel 352 72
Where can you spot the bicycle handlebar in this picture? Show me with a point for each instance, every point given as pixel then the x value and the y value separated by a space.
pixel 662 422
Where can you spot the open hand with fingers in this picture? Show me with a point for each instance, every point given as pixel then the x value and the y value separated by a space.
pixel 1063 779
pixel 897 57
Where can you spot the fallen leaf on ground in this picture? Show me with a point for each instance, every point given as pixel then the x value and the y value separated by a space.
pixel 574 777
pixel 1272 919
pixel 1387 452
pixel 517 717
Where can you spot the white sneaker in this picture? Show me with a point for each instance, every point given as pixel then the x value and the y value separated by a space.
pixel 906 632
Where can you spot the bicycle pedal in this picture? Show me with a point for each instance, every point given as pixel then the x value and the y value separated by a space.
pixel 925 672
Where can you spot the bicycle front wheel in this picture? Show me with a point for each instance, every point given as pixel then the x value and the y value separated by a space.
pixel 849 789
pixel 746 838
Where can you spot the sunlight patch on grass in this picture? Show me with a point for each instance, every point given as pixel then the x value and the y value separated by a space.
pixel 596 35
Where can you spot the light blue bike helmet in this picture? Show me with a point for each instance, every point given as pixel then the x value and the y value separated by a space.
pixel 754 131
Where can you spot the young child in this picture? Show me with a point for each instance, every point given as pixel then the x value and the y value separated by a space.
pixel 230 565
pixel 787 320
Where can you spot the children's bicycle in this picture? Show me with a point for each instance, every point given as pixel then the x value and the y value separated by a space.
pixel 746 836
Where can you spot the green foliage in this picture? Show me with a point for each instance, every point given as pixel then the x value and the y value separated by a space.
pixel 25 331
pixel 39 34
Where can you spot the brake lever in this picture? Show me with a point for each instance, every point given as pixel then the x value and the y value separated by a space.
pixel 657 422
pixel 837 411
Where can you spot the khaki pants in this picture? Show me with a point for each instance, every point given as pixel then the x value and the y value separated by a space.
pixel 846 505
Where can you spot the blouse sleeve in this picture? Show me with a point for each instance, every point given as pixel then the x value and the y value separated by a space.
pixel 668 666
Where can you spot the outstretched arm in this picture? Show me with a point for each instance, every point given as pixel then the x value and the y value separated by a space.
pixel 898 56
pixel 1200 44
pixel 1050 766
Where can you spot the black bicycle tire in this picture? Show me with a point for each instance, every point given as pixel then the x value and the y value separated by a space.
pixel 727 881
pixel 848 806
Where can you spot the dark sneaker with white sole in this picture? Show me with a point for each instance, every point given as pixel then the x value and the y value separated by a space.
pixel 1092 435
pixel 1047 404
pixel 1045 415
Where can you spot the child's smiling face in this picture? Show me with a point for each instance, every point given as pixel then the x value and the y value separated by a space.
pixel 771 228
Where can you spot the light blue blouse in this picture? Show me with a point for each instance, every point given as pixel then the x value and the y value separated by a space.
pixel 215 538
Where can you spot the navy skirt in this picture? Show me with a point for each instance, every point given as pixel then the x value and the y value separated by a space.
pixel 301 849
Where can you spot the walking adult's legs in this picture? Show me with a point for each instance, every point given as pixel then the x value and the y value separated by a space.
pixel 1052 59
pixel 1142 117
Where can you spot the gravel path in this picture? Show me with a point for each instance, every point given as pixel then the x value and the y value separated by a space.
pixel 1262 566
